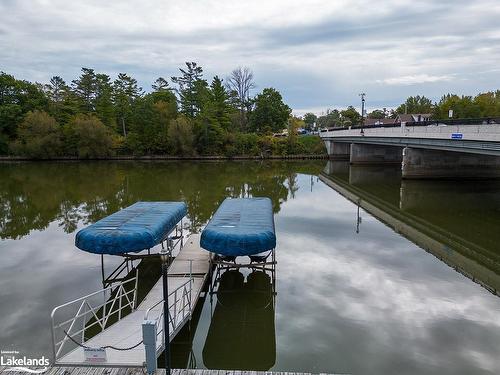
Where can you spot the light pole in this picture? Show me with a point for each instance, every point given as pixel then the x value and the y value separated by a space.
pixel 164 255
pixel 362 111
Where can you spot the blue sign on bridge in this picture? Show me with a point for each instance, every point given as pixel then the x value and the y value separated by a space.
pixel 457 135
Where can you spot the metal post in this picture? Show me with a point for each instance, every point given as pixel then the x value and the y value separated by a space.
pixel 362 111
pixel 149 340
pixel 166 323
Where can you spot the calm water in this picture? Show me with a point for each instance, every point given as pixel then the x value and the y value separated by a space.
pixel 366 280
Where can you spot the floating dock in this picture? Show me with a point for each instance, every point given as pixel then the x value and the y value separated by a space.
pixel 186 277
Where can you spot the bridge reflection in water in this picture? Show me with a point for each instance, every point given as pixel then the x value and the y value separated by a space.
pixel 455 221
pixel 242 331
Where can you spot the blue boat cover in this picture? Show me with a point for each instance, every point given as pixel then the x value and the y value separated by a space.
pixel 243 226
pixel 140 226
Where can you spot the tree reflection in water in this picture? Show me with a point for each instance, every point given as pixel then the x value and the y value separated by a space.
pixel 33 195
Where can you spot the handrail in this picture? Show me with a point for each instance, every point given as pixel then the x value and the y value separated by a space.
pixel 180 307
pixel 146 315
pixel 88 296
pixel 436 122
pixel 99 312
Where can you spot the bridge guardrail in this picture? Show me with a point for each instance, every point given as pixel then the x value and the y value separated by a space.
pixel 443 122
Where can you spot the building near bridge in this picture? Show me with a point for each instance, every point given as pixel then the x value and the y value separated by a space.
pixel 413 117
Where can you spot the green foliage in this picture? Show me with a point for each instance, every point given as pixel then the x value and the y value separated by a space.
pixel 87 137
pixel 270 114
pixel 180 133
pixel 350 116
pixel 310 119
pixel 96 116
pixel 191 89
pixel 84 89
pixel 415 104
pixel 483 105
pixel 125 92
pixel 331 119
pixel 104 107
pixel 16 99
pixel 38 136
pixel 377 114
pixel 150 120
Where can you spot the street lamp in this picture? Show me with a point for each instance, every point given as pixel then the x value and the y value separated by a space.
pixel 164 256
pixel 362 111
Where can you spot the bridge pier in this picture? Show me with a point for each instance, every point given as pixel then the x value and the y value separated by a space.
pixel 338 150
pixel 375 154
pixel 436 164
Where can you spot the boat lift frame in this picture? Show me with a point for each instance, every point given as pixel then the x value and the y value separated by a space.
pixel 116 276
pixel 220 265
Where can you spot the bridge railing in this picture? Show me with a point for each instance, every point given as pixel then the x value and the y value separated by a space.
pixel 444 122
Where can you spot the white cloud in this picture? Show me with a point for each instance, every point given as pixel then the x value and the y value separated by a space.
pixel 414 79
pixel 319 54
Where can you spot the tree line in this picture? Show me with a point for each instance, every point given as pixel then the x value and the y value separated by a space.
pixel 483 105
pixel 97 116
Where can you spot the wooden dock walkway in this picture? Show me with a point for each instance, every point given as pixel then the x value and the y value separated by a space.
pixel 58 370
pixel 127 332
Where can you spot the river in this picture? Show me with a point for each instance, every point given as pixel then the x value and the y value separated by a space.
pixel 375 275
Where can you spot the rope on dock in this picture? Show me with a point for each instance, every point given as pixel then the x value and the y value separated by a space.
pixel 102 347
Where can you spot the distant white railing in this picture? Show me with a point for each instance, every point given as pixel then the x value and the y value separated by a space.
pixel 73 330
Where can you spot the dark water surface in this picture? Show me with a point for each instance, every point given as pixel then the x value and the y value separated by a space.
pixel 375 275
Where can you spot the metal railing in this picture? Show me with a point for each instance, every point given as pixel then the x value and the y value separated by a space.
pixel 91 315
pixel 442 122
pixel 179 309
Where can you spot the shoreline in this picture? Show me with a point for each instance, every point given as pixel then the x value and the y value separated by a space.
pixel 168 157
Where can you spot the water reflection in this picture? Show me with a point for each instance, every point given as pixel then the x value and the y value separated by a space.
pixel 242 332
pixel 456 221
pixel 362 303
pixel 32 195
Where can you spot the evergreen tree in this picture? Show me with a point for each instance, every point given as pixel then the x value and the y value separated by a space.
pixel 56 90
pixel 125 92
pixel 85 89
pixel 161 84
pixel 191 88
pixel 104 100
pixel 219 105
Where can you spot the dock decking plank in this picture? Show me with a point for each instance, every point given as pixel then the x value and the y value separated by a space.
pixel 58 370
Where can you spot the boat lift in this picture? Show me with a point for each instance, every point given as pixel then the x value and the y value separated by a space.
pixel 242 227
pixel 133 233
pixel 111 327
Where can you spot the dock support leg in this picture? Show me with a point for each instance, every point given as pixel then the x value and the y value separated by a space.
pixel 149 340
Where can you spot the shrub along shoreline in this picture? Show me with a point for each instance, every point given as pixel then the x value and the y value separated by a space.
pixel 167 158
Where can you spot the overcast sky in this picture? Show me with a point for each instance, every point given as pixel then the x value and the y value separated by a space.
pixel 318 53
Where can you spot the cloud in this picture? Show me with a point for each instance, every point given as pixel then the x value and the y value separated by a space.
pixel 414 79
pixel 319 55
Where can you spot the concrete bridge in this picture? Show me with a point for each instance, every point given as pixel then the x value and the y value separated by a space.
pixel 439 149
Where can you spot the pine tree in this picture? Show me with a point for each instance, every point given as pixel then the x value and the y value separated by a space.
pixel 104 100
pixel 191 88
pixel 125 92
pixel 85 89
